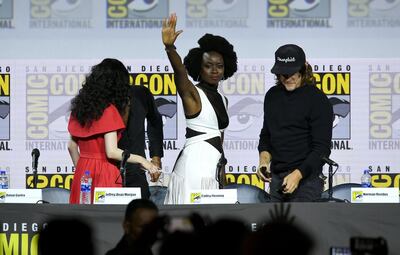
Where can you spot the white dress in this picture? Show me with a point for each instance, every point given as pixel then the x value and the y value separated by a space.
pixel 196 165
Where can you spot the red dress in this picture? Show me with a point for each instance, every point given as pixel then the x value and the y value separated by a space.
pixel 92 151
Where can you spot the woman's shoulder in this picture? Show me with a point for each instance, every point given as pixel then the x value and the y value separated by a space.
pixel 109 121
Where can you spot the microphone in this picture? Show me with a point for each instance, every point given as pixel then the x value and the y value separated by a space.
pixel 329 161
pixel 125 155
pixel 35 157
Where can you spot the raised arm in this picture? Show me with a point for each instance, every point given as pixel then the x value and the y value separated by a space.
pixel 186 90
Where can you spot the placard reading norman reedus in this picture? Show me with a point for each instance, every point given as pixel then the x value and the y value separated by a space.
pixel 216 13
pixel 60 14
pixel 298 14
pixel 136 13
pixel 49 89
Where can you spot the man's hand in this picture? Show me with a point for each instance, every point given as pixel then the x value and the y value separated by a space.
pixel 263 171
pixel 291 181
pixel 156 175
pixel 156 161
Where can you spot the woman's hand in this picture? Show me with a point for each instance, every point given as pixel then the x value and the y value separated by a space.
pixel 168 32
pixel 153 170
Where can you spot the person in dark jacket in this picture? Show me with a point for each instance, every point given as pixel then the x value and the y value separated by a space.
pixel 142 108
pixel 296 132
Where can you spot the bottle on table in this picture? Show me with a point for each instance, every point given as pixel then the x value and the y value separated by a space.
pixel 4 179
pixel 366 179
pixel 86 188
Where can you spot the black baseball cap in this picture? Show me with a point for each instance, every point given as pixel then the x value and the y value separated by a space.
pixel 289 59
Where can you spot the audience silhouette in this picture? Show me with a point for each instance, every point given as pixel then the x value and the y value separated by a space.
pixel 66 236
pixel 137 238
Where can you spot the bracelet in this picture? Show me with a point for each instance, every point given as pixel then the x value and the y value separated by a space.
pixel 170 47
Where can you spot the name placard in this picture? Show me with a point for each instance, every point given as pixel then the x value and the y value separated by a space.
pixel 20 196
pixel 117 196
pixel 375 195
pixel 213 196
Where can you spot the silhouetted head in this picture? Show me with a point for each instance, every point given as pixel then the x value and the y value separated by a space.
pixel 66 237
pixel 139 213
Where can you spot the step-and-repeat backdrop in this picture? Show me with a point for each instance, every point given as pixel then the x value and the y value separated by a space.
pixel 364 93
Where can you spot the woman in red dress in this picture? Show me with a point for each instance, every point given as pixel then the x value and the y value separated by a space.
pixel 95 126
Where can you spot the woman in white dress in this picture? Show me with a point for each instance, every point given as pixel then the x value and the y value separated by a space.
pixel 204 108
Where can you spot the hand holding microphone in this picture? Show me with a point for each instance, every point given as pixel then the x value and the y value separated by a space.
pixel 264 173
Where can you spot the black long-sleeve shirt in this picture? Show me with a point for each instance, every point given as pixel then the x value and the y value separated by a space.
pixel 297 129
pixel 133 138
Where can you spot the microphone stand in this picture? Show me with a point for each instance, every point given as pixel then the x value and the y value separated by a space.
pixel 35 158
pixel 34 171
pixel 330 197
pixel 122 168
pixel 35 178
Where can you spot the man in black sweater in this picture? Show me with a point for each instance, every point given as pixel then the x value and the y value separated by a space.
pixel 297 130
pixel 142 107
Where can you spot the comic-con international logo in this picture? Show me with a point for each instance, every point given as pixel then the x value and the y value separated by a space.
pixel 384 109
pixel 60 14
pixel 245 178
pixel 48 97
pixel 357 195
pixel 336 83
pixel 19 235
pixel 385 179
pixel 100 196
pixel 6 14
pixel 216 13
pixel 245 92
pixel 44 180
pixel 298 13
pixel 4 108
pixel 163 88
pixel 136 13
pixel 195 198
pixel 373 13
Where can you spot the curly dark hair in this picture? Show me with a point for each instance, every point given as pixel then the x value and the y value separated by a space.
pixel 209 42
pixel 107 83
